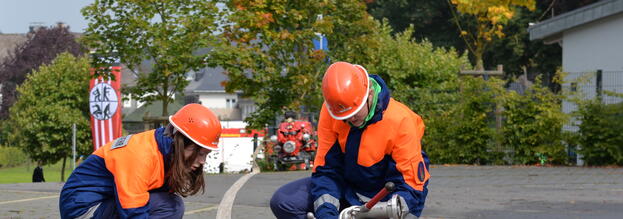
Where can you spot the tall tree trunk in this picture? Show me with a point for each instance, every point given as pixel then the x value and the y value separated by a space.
pixel 165 107
pixel 165 100
pixel 63 169
pixel 479 62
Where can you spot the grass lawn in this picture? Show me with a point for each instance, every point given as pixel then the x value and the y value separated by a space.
pixel 23 173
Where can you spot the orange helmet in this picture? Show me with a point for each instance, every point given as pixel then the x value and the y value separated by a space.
pixel 199 124
pixel 345 88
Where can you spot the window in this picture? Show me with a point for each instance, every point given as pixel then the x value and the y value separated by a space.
pixel 230 103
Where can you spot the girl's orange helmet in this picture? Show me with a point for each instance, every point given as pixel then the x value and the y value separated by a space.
pixel 199 124
pixel 345 88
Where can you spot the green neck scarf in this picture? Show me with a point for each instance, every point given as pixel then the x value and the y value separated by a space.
pixel 377 89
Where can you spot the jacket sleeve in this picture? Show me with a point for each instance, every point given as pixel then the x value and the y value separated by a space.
pixel 132 174
pixel 327 178
pixel 412 164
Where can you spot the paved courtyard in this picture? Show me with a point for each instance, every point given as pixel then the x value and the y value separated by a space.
pixel 455 192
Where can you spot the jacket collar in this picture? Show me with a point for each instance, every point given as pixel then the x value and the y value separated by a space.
pixel 382 101
pixel 165 143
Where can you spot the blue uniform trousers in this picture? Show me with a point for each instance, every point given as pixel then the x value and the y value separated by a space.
pixel 161 205
pixel 293 200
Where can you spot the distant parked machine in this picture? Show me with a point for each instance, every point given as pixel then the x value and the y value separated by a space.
pixel 294 144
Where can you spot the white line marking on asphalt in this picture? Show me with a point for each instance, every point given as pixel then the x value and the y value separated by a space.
pixel 28 199
pixel 224 208
pixel 201 210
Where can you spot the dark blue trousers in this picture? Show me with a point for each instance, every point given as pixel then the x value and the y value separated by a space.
pixel 161 205
pixel 293 200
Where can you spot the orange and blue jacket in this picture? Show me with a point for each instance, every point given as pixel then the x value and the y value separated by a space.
pixel 352 164
pixel 126 170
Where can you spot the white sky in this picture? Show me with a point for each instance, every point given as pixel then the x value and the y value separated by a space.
pixel 17 15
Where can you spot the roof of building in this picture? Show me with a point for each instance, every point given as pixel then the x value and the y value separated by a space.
pixel 153 109
pixel 9 41
pixel 129 77
pixel 207 80
pixel 551 29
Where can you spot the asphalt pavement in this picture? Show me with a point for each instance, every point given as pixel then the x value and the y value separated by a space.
pixel 454 192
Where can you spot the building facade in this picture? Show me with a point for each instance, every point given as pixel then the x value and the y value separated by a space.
pixel 592 56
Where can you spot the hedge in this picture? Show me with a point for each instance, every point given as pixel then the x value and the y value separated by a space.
pixel 600 134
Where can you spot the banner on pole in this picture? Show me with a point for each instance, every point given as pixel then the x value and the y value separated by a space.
pixel 105 107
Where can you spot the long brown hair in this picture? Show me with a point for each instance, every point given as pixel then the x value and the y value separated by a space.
pixel 182 181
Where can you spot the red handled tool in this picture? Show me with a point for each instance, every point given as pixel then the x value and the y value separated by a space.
pixel 389 188
pixel 352 211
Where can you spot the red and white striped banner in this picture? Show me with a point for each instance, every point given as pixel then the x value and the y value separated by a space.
pixel 105 106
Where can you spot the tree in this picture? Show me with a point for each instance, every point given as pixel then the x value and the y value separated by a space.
pixel 269 56
pixel 557 7
pixel 491 16
pixel 169 33
pixel 430 19
pixel 53 98
pixel 41 47
pixel 433 21
pixel 516 52
pixel 411 67
pixel 425 79
pixel 355 34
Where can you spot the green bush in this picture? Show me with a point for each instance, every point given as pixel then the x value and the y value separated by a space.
pixel 600 133
pixel 461 127
pixel 463 132
pixel 410 67
pixel 5 130
pixel 12 156
pixel 533 126
pixel 264 164
pixel 426 79
pixel 459 112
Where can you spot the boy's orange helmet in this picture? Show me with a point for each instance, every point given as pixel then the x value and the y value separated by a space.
pixel 345 88
pixel 199 124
